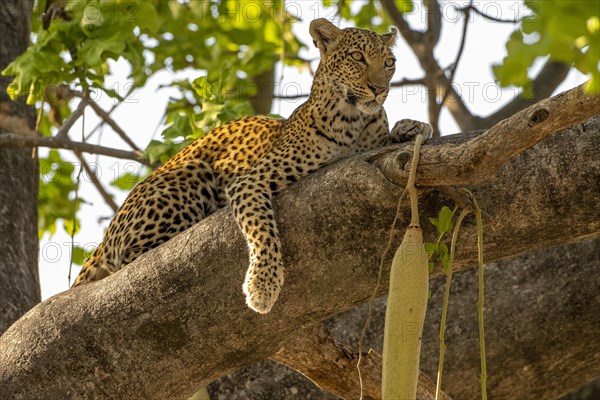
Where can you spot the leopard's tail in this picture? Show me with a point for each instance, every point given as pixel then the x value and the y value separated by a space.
pixel 93 269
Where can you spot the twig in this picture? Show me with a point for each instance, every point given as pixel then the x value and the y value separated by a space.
pixel 17 140
pixel 101 123
pixel 458 56
pixel 75 201
pixel 63 131
pixel 111 122
pixel 471 7
pixel 94 178
pixel 74 226
pixel 113 108
pixel 291 97
pixel 408 82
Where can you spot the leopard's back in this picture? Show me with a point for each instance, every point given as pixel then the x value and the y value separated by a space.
pixel 180 193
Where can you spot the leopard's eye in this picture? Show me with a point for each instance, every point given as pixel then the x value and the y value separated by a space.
pixel 390 62
pixel 357 56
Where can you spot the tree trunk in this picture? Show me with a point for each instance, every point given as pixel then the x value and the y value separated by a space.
pixel 19 282
pixel 180 306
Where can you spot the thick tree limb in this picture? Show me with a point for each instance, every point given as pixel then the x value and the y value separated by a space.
pixel 175 319
pixel 479 160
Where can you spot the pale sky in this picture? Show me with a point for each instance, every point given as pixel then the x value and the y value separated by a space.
pixel 140 117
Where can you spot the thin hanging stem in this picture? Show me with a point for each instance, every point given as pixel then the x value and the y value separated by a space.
pixel 438 389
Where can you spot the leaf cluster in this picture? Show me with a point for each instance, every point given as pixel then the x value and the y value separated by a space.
pixel 56 198
pixel 369 14
pixel 567 31
pixel 439 249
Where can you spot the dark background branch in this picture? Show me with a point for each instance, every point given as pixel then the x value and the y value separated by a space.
pixel 542 86
pixel 548 79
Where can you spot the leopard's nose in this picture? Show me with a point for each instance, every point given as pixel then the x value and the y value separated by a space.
pixel 377 90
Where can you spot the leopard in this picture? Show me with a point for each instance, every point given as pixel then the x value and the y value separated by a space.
pixel 244 163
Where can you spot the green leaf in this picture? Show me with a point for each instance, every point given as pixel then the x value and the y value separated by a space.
pixel 71 226
pixel 405 6
pixel 147 17
pixel 180 128
pixel 430 248
pixel 242 36
pixel 79 255
pixel 443 222
pixel 94 51
pixel 127 181
pixel 162 151
pixel 566 31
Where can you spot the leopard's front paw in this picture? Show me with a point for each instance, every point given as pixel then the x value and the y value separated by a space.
pixel 406 130
pixel 262 286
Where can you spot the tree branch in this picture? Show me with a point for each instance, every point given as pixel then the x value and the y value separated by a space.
pixel 317 355
pixel 111 122
pixel 92 175
pixel 552 74
pixel 63 131
pixel 181 305
pixel 477 11
pixel 101 123
pixel 481 159
pixel 20 141
pixel 461 48
pixel 413 38
pixel 291 97
pixel 434 22
pixel 423 44
pixel 541 87
pixel 408 82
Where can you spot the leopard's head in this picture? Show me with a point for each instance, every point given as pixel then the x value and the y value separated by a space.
pixel 356 63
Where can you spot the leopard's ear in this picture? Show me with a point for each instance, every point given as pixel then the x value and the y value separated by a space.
pixel 390 37
pixel 326 35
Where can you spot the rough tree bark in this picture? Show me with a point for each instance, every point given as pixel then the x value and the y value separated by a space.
pixel 176 319
pixel 19 283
